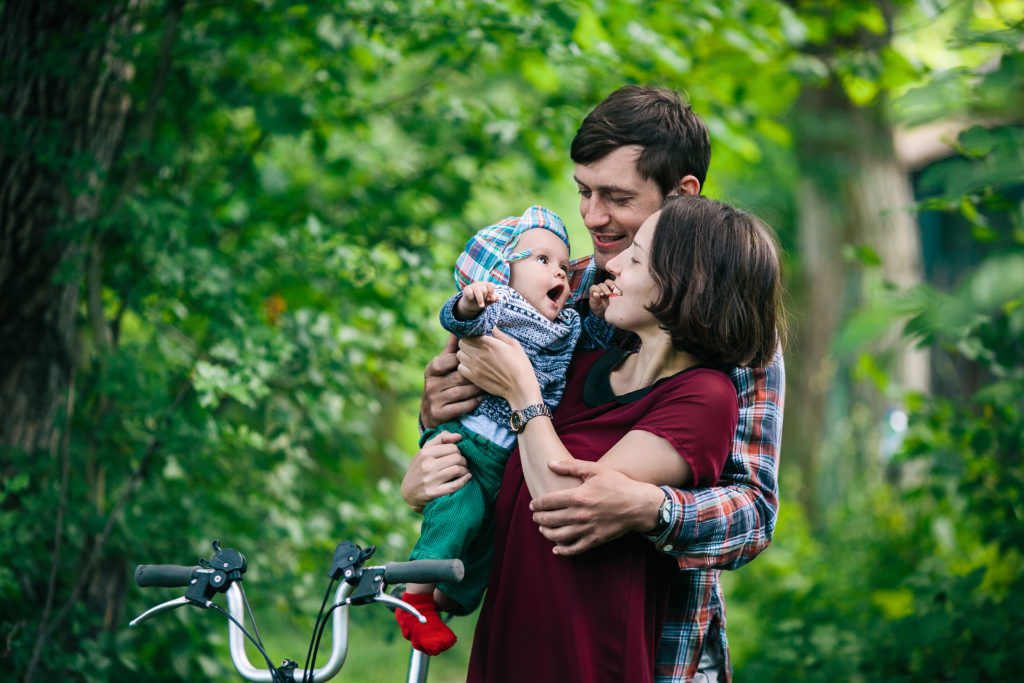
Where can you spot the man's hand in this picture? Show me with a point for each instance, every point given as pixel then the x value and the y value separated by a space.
pixel 436 470
pixel 599 295
pixel 446 393
pixel 476 296
pixel 605 506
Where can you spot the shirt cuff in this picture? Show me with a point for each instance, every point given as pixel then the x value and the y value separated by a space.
pixel 683 525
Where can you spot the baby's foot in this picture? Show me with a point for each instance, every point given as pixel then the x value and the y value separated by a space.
pixel 433 637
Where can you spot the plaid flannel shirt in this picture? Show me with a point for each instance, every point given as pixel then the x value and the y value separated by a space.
pixel 719 527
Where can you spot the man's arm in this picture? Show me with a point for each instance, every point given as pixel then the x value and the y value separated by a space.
pixel 723 526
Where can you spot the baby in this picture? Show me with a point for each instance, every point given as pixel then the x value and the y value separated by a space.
pixel 513 275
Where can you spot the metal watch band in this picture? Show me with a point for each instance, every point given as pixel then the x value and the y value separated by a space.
pixel 517 421
pixel 664 518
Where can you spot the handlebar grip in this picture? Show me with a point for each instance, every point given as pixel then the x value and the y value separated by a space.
pixel 424 571
pixel 165 575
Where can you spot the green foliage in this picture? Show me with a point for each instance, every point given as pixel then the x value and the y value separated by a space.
pixel 919 579
pixel 919 576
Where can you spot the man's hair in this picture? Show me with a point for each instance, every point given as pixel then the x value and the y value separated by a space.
pixel 674 138
pixel 720 277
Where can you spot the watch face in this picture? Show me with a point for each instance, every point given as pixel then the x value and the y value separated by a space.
pixel 516 421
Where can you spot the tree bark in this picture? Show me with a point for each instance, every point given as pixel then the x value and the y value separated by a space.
pixel 64 109
pixel 853 192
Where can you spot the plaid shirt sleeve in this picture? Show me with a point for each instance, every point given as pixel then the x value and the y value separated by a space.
pixel 727 525
pixel 581 276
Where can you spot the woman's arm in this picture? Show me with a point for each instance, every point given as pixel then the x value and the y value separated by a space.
pixel 660 464
pixel 722 526
pixel 499 366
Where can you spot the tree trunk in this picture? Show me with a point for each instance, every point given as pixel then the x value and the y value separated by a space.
pixel 852 193
pixel 64 110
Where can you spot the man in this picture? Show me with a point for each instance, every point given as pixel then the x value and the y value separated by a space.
pixel 638 146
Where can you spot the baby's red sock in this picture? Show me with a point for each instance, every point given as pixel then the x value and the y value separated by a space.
pixel 433 637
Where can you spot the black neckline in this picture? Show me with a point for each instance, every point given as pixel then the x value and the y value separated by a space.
pixel 597 389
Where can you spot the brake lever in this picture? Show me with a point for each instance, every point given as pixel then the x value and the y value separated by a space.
pixel 401 604
pixel 159 609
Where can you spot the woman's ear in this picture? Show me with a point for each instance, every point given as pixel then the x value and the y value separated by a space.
pixel 687 185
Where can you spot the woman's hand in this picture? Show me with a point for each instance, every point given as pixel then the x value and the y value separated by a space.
pixel 498 365
pixel 436 470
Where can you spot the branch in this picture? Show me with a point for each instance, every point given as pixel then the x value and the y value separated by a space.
pixel 51 587
pixel 156 92
pixel 45 630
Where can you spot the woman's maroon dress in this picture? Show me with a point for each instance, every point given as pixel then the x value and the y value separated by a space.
pixel 596 616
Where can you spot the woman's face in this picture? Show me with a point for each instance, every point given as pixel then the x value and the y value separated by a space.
pixel 635 288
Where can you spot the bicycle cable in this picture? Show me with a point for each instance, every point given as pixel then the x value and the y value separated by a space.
pixel 323 625
pixel 270 665
pixel 313 638
pixel 252 617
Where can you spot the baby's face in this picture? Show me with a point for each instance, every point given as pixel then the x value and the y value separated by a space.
pixel 542 278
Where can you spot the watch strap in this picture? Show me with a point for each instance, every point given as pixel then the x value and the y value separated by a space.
pixel 517 421
pixel 664 519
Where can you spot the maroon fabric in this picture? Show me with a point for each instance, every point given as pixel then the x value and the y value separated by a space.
pixel 597 616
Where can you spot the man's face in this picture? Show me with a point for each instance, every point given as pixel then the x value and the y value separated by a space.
pixel 615 201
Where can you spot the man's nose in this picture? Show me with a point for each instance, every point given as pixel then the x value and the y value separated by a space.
pixel 594 215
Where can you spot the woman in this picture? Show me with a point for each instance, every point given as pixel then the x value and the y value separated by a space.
pixel 700 288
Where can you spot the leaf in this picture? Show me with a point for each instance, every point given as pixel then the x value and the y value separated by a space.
pixel 589 33
pixel 861 91
pixel 864 254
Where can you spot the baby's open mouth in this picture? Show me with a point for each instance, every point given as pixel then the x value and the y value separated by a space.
pixel 555 293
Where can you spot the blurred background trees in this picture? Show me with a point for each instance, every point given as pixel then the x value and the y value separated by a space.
pixel 226 229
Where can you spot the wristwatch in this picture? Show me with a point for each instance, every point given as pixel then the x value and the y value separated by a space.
pixel 517 421
pixel 664 518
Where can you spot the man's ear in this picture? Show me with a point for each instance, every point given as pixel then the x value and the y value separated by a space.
pixel 687 185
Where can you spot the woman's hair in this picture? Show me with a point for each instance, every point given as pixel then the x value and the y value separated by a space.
pixel 674 140
pixel 719 273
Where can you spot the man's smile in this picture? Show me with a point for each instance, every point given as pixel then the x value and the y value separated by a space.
pixel 607 240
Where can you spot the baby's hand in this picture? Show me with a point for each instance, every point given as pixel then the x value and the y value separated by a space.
pixel 475 298
pixel 599 294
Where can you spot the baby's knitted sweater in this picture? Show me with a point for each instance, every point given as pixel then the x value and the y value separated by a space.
pixel 549 345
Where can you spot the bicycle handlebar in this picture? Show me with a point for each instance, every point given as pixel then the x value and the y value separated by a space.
pixel 424 571
pixel 360 585
pixel 164 575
